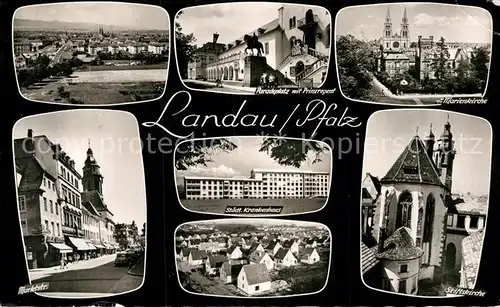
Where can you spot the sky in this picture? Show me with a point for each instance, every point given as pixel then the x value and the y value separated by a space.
pixel 229 20
pixel 114 139
pixel 240 161
pixel 453 22
pixel 106 13
pixel 390 132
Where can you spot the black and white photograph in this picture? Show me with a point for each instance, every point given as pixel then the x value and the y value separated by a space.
pixel 252 257
pixel 82 202
pixel 253 175
pixel 413 53
pixel 91 52
pixel 425 196
pixel 242 47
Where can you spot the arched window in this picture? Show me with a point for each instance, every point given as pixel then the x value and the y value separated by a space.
pixel 403 218
pixel 429 218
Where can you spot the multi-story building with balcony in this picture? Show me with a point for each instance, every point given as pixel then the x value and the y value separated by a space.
pixel 270 184
pixel 296 47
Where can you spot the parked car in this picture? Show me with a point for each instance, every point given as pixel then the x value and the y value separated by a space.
pixel 121 259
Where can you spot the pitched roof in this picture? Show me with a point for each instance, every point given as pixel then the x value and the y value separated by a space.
pixel 232 249
pixel 95 198
pixel 253 247
pixel 198 255
pixel 400 246
pixel 272 244
pixel 256 273
pixel 368 258
pixel 376 183
pixel 256 257
pixel 471 253
pixel 281 253
pixel 217 260
pixel 186 251
pixel 366 194
pixel 413 166
pixel 306 252
pixel 232 269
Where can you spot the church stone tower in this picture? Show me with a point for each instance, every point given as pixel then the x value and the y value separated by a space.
pixel 444 155
pixel 430 140
pixel 405 35
pixel 92 178
pixel 387 26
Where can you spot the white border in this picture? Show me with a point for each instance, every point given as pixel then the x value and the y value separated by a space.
pixel 413 105
pixel 257 215
pixel 361 197
pixel 247 2
pixel 94 105
pixel 79 295
pixel 249 221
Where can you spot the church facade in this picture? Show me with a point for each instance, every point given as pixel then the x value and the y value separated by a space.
pixel 296 47
pixel 410 215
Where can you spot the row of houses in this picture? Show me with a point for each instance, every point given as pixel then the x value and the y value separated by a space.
pixel 116 47
pixel 248 269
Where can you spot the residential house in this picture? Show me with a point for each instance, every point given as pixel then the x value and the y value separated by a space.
pixel 197 257
pixel 285 257
pixel 212 247
pixel 214 263
pixel 230 269
pixel 273 247
pixel 262 257
pixel 184 253
pixel 311 242
pixel 254 279
pixel 195 243
pixel 309 255
pixel 234 252
pixel 293 245
pixel 256 247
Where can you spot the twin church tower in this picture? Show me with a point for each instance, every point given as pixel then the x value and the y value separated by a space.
pixel 393 40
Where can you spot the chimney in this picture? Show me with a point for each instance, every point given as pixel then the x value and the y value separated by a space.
pixel 30 133
pixel 72 163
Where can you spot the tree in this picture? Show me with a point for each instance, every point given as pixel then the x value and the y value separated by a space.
pixel 440 63
pixel 287 152
pixel 143 230
pixel 353 58
pixel 185 47
pixel 479 61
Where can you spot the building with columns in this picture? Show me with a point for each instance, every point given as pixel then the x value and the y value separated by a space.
pixel 411 212
pixel 296 47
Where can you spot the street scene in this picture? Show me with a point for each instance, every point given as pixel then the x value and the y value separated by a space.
pixel 413 53
pixel 253 257
pixel 253 175
pixel 81 53
pixel 82 237
pixel 239 47
pixel 425 204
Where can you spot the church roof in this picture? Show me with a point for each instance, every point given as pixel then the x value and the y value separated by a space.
pixel 413 166
pixel 400 247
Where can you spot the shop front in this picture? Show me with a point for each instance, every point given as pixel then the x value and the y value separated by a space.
pixel 101 249
pixel 80 248
pixel 45 251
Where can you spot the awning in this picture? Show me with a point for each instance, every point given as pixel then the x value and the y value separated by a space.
pixel 90 245
pixel 63 248
pixel 80 244
pixel 99 246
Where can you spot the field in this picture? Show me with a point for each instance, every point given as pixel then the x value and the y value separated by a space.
pixel 290 206
pixel 101 87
